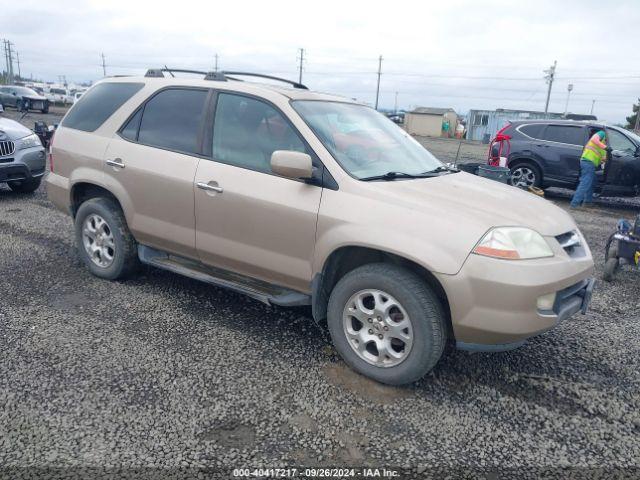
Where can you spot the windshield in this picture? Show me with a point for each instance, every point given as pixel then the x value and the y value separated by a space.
pixel 364 142
pixel 635 137
pixel 25 91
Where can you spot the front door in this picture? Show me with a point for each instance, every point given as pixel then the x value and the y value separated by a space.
pixel 249 220
pixel 622 170
pixel 151 164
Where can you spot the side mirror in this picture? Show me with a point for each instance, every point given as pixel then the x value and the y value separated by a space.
pixel 291 164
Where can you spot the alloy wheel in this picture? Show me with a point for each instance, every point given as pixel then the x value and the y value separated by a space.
pixel 523 176
pixel 377 328
pixel 98 241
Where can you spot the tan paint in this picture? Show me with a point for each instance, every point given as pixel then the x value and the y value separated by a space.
pixel 283 230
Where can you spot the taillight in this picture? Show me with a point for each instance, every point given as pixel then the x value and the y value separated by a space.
pixel 51 153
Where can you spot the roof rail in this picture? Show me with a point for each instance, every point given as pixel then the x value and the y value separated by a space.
pixel 220 76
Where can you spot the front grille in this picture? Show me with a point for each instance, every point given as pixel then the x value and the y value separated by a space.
pixel 7 147
pixel 571 243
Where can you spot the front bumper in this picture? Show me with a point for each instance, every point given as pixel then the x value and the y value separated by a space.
pixel 23 165
pixel 493 302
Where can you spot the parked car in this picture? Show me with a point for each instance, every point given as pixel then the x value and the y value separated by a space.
pixel 77 95
pixel 546 153
pixel 58 95
pixel 22 98
pixel 22 157
pixel 243 185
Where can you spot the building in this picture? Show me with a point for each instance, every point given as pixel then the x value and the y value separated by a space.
pixel 482 125
pixel 428 121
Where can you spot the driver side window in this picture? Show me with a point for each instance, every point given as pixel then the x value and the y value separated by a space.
pixel 247 131
pixel 617 141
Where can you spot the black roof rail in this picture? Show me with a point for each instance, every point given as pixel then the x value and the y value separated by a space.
pixel 220 76
pixel 270 77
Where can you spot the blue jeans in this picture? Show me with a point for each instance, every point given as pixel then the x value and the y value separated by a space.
pixel 584 192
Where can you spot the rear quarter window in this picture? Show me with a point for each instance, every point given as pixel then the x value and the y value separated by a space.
pixel 533 130
pixel 98 104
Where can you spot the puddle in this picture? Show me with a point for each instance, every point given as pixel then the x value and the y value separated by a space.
pixel 231 435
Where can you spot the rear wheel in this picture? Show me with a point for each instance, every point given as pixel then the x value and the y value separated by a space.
pixel 104 242
pixel 525 175
pixel 386 323
pixel 611 267
pixel 25 186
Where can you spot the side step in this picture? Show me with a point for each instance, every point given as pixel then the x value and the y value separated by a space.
pixel 262 291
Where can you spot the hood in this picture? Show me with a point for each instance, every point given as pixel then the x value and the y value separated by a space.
pixel 475 201
pixel 12 130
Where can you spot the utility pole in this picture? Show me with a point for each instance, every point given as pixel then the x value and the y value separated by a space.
pixel 301 62
pixel 395 106
pixel 637 127
pixel 379 74
pixel 215 67
pixel 10 63
pixel 551 73
pixel 6 58
pixel 566 106
pixel 593 103
pixel 104 66
pixel 18 62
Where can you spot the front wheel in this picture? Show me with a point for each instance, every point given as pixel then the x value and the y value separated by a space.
pixel 525 175
pixel 386 323
pixel 104 242
pixel 25 186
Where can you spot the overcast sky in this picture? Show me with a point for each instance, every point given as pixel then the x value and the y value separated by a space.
pixel 446 53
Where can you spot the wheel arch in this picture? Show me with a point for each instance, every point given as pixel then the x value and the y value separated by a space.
pixel 527 160
pixel 83 191
pixel 347 258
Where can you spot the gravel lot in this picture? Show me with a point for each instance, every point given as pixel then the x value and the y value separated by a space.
pixel 161 373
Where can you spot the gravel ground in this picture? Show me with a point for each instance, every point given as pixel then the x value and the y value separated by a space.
pixel 160 375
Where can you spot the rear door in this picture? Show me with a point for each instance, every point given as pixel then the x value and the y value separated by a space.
pixel 248 219
pixel 562 148
pixel 152 162
pixel 622 171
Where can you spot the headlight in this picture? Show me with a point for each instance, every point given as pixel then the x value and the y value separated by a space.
pixel 513 243
pixel 28 142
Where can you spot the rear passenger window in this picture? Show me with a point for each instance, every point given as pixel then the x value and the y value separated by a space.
pixel 98 104
pixel 130 130
pixel 247 131
pixel 173 118
pixel 565 134
pixel 534 130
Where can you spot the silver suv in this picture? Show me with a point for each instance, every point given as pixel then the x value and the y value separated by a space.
pixel 300 198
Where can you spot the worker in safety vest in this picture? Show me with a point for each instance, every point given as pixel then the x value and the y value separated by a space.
pixel 593 155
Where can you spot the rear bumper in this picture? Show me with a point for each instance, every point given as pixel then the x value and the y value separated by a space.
pixel 58 191
pixel 494 303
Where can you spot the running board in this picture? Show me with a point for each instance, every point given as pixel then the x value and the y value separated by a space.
pixel 262 291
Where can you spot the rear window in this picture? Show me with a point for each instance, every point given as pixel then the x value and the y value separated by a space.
pixel 565 134
pixel 98 104
pixel 533 130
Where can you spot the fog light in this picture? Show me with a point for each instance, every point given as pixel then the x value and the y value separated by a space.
pixel 545 302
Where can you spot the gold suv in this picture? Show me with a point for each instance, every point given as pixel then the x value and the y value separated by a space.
pixel 300 198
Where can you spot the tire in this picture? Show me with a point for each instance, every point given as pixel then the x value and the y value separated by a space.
pixel 525 174
pixel 115 250
pixel 414 300
pixel 25 186
pixel 19 105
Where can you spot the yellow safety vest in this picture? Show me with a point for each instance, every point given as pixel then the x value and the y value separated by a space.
pixel 594 153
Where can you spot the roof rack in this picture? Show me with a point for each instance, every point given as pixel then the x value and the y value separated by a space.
pixel 220 76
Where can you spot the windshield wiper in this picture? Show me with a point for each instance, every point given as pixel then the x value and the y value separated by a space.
pixel 395 175
pixel 442 168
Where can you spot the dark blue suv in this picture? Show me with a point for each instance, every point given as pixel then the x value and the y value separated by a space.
pixel 546 153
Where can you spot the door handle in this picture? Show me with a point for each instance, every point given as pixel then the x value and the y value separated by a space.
pixel 206 186
pixel 117 162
